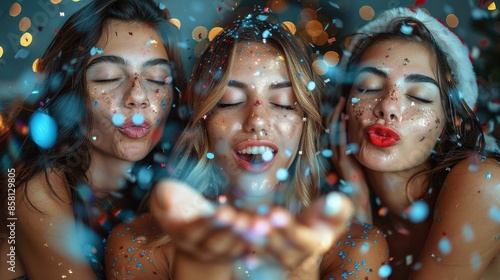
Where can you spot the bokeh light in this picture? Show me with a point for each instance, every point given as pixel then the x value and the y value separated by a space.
pixel 15 9
pixel 214 32
pixel 24 24
pixel 26 39
pixel 492 6
pixel 320 67
pixel 366 12
pixel 290 26
pixel 331 58
pixel 55 1
pixel 452 20
pixel 35 65
pixel 1 51
pixel 314 28
pixel 199 33
pixel 277 6
pixel 176 22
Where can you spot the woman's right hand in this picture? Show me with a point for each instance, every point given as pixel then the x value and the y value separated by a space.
pixel 349 170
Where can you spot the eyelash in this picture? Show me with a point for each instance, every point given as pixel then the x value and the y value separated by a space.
pixel 365 90
pixel 285 107
pixel 421 99
pixel 224 105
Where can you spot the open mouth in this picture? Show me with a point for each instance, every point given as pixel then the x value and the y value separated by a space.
pixel 256 156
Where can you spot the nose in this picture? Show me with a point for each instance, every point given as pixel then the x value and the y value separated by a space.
pixel 255 120
pixel 390 107
pixel 136 96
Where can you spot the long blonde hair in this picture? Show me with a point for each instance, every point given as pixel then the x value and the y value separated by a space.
pixel 206 87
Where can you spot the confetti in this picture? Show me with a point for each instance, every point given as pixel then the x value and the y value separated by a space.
pixel 385 271
pixel 118 119
pixel 418 211
pixel 210 156
pixel 311 86
pixel 354 100
pixel 43 130
pixel 267 156
pixel 282 174
pixel 444 246
pixel 138 119
pixel 327 153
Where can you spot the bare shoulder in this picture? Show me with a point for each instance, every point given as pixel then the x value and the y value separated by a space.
pixel 46 189
pixel 473 181
pixel 359 253
pixel 137 248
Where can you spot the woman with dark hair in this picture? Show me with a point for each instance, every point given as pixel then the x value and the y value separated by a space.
pixel 407 99
pixel 110 76
pixel 251 147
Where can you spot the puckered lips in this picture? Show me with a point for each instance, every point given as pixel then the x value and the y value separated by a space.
pixel 135 131
pixel 249 155
pixel 382 136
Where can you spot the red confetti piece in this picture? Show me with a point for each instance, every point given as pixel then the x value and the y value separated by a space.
pixel 219 9
pixel 419 2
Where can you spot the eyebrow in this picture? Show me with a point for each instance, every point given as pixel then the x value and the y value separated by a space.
pixel 412 78
pixel 120 61
pixel 242 85
pixel 419 78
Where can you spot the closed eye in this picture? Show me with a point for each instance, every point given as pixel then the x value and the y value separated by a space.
pixel 106 80
pixel 365 90
pixel 421 99
pixel 285 107
pixel 161 83
pixel 228 105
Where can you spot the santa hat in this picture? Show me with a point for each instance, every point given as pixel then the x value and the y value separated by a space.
pixel 455 50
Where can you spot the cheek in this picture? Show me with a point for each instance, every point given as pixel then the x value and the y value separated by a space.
pixel 360 108
pixel 427 124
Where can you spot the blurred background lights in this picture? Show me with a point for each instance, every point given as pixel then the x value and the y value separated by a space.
pixel 314 28
pixel 214 32
pixel 24 24
pixel 176 22
pixel 277 6
pixel 26 39
pixel 290 26
pixel 367 13
pixel 331 58
pixel 320 67
pixel 35 65
pixel 15 9
pixel 492 6
pixel 1 51
pixel 452 20
pixel 55 1
pixel 199 33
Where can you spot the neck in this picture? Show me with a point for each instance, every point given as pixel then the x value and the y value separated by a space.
pixel 395 189
pixel 106 174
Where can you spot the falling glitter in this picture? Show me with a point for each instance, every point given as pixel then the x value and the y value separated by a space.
pixel 118 119
pixel 406 29
pixel 495 214
pixel 418 211
pixel 327 153
pixel 488 175
pixel 354 100
pixel 311 86
pixel 43 129
pixel 384 271
pixel 138 119
pixel 444 245
pixel 267 156
pixel 468 233
pixel 210 156
pixel 282 174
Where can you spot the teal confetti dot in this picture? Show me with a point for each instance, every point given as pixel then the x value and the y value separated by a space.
pixel 210 156
pixel 354 100
pixel 43 130
pixel 444 245
pixel 311 86
pixel 96 103
pixel 118 119
pixel 419 211
pixel 327 153
pixel 488 175
pixel 384 271
pixel 138 119
pixel 282 174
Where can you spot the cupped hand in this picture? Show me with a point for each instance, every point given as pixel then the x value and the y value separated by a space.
pixel 349 170
pixel 196 226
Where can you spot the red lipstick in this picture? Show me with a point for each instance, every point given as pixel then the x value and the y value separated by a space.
pixel 135 131
pixel 382 136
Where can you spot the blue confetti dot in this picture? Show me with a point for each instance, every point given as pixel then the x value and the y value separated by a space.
pixel 96 103
pixel 384 271
pixel 354 100
pixel 282 174
pixel 488 175
pixel 118 119
pixel 138 119
pixel 311 86
pixel 327 153
pixel 495 214
pixel 419 211
pixel 468 233
pixel 210 156
pixel 444 246
pixel 43 130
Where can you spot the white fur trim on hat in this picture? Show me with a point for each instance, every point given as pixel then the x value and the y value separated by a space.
pixel 455 51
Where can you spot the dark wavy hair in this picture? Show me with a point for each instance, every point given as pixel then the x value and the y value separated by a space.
pixel 63 92
pixel 462 132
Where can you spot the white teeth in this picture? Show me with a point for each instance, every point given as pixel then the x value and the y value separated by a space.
pixel 255 150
